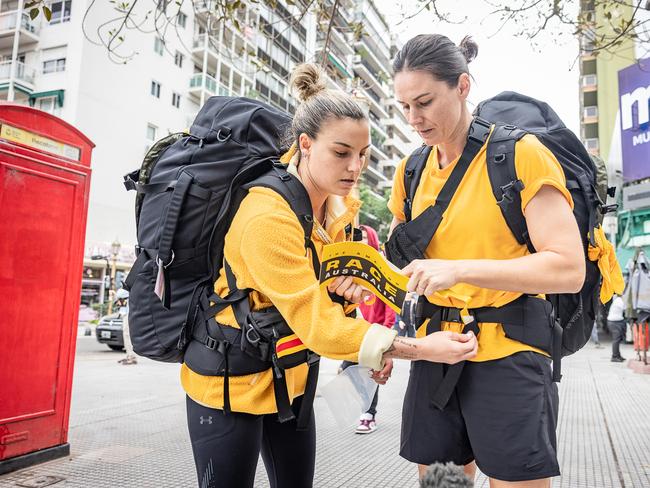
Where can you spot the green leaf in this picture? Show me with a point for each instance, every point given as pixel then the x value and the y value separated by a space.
pixel 33 13
pixel 31 4
pixel 47 12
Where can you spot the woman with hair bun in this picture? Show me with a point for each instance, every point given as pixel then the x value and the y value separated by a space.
pixel 500 407
pixel 265 251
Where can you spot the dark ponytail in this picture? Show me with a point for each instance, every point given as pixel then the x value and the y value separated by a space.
pixel 437 55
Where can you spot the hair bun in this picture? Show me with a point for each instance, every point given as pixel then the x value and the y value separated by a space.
pixel 468 48
pixel 307 80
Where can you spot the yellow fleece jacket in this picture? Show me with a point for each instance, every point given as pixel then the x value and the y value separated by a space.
pixel 265 249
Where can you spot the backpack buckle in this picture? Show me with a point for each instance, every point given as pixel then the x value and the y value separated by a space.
pixel 479 130
pixel 509 191
pixel 312 358
pixel 605 209
pixel 252 336
pixel 160 262
pixel 211 343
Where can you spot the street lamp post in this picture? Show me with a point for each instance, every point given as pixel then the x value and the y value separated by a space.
pixel 115 249
pixel 98 257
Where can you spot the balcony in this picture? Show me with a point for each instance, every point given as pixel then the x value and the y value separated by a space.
pixel 212 87
pixel 338 63
pixel 397 123
pixel 226 56
pixel 370 75
pixel 402 148
pixel 23 77
pixel 28 29
pixel 374 40
pixel 376 174
pixel 337 39
pixel 374 103
pixel 379 60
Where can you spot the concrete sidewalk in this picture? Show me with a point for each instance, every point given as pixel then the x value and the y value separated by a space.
pixel 127 429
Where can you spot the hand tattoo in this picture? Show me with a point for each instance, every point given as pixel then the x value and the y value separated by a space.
pixel 409 353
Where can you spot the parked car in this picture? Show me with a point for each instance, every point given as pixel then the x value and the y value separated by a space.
pixel 109 331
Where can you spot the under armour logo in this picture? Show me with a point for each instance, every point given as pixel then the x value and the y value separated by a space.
pixel 205 421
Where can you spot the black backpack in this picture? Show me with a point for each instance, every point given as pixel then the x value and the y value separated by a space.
pixel 516 115
pixel 189 189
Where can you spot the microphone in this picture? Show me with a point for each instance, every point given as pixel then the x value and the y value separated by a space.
pixel 448 475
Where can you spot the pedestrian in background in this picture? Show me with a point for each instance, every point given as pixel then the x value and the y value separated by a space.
pixel 594 336
pixel 122 304
pixel 375 312
pixel 617 326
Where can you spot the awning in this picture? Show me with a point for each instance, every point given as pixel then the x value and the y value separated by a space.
pixel 44 94
pixel 340 67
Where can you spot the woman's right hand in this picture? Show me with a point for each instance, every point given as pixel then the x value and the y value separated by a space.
pixel 345 286
pixel 448 347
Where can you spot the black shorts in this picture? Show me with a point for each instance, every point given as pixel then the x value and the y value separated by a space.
pixel 503 414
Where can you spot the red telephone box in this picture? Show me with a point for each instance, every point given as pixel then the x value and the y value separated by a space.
pixel 44 187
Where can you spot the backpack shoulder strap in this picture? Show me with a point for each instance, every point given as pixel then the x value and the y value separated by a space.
pixel 293 191
pixel 506 186
pixel 410 239
pixel 412 175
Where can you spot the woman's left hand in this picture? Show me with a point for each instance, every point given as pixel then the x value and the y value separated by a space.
pixel 381 377
pixel 430 275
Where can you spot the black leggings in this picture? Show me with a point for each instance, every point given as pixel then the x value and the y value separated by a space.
pixel 226 448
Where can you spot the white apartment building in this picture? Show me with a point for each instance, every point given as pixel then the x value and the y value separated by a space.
pixel 124 107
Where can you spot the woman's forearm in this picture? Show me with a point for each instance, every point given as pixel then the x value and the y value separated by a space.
pixel 542 272
pixel 440 347
pixel 404 348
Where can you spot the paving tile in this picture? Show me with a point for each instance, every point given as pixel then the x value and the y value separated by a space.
pixel 127 429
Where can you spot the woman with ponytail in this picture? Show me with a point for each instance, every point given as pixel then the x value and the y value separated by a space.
pixel 499 408
pixel 265 251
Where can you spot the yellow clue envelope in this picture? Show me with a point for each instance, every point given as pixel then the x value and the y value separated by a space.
pixel 367 268
pixel 370 269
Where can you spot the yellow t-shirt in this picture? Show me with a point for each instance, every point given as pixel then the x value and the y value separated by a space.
pixel 474 228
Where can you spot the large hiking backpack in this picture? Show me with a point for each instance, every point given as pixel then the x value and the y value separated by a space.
pixel 586 180
pixel 189 189
pixel 514 116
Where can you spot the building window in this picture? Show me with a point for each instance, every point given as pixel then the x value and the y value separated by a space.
pixel 181 19
pixel 151 132
pixel 592 144
pixel 54 65
pixel 590 112
pixel 48 104
pixel 60 11
pixel 176 100
pixel 158 45
pixel 589 81
pixel 178 59
pixel 155 89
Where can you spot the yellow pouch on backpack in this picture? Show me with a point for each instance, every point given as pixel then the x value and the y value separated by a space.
pixel 610 270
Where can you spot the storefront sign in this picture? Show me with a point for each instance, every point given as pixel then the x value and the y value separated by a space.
pixel 634 99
